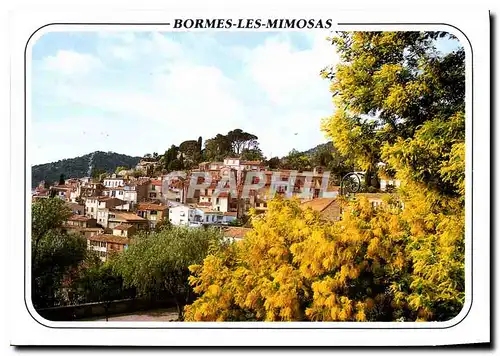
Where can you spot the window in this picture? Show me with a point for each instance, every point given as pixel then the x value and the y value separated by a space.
pixel 91 210
pixel 120 193
pixel 153 212
pixel 182 213
pixel 153 187
pixel 217 201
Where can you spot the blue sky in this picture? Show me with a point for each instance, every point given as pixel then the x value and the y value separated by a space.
pixel 140 92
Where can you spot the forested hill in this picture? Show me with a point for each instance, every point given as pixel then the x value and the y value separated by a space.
pixel 319 148
pixel 81 166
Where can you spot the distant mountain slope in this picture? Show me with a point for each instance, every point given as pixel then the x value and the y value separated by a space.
pixel 322 146
pixel 81 166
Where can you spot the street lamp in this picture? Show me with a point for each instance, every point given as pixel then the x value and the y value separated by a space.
pixel 351 183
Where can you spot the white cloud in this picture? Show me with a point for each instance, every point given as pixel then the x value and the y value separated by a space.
pixel 166 93
pixel 71 63
pixel 290 76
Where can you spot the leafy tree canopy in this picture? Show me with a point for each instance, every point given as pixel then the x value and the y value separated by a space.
pixel 158 262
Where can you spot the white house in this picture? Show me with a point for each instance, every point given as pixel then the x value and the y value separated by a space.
pixel 113 182
pixel 91 205
pixel 220 202
pixel 182 215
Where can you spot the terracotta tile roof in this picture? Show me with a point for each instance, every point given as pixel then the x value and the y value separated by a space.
pixel 119 215
pixel 253 163
pixel 79 218
pixel 231 213
pixel 222 195
pixel 205 203
pixel 123 227
pixel 156 182
pixel 149 206
pixel 318 204
pixel 75 206
pixel 236 232
pixel 110 238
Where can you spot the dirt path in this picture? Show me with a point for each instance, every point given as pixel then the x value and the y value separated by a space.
pixel 169 314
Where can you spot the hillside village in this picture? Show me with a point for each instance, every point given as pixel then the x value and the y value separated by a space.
pixel 110 209
pixel 200 226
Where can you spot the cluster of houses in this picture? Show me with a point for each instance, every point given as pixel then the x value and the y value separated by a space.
pixel 109 212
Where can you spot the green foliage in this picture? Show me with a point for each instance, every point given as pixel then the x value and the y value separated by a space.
pixel 47 215
pixel 273 163
pixel 235 143
pixel 96 282
pixel 297 161
pixel 138 173
pixel 158 262
pixel 121 168
pixel 236 222
pixel 217 148
pixel 253 154
pixel 191 153
pixel 54 256
pixel 241 140
pixel 387 85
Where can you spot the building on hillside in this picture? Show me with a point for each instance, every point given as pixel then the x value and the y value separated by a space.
pixel 153 213
pixel 184 215
pixel 124 230
pixel 155 189
pixel 91 205
pixel 91 189
pixel 173 191
pixel 113 182
pixel 76 209
pixel 80 221
pixel 107 244
pixel 62 192
pixel 328 208
pixel 84 231
pixel 114 192
pixel 105 205
pixel 116 218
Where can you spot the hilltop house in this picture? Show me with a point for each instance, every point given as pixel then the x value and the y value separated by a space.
pixel 153 213
pixel 116 218
pixel 106 244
